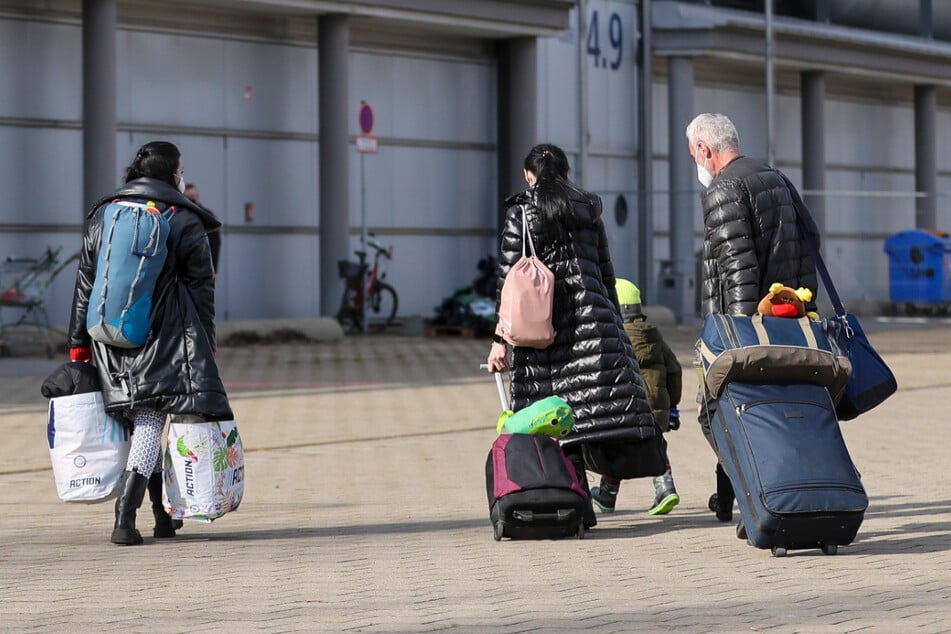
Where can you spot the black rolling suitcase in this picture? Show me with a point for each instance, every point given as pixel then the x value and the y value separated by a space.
pixel 795 483
pixel 533 490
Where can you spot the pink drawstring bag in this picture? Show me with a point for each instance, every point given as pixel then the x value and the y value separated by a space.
pixel 528 294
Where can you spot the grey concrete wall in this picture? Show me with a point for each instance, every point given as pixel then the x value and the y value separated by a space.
pixel 243 110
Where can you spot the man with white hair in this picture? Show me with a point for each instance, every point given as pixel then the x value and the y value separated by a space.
pixel 751 239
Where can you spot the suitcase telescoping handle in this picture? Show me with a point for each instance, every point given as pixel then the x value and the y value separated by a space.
pixel 503 398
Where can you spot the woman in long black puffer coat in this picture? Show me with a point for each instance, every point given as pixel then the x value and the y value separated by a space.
pixel 174 372
pixel 591 363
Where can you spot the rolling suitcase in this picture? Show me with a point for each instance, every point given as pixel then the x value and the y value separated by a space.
pixel 533 490
pixel 795 483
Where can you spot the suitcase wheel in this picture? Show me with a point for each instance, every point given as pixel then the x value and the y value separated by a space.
pixel 830 549
pixel 498 530
pixel 779 551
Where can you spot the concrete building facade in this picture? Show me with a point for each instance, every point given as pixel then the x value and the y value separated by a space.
pixel 263 98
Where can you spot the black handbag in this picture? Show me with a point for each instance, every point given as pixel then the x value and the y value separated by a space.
pixel 872 381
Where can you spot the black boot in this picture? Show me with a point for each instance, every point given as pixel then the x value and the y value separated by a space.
pixel 131 492
pixel 164 527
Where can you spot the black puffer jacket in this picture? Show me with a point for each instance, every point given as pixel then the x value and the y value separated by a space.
pixel 175 371
pixel 71 378
pixel 591 363
pixel 751 239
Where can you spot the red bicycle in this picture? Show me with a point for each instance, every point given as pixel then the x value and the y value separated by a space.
pixel 378 297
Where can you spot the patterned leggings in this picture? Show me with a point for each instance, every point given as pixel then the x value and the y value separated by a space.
pixel 146 449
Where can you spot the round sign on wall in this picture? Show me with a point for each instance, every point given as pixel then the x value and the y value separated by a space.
pixel 366 118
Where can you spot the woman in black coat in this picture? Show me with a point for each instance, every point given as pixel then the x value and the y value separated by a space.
pixel 591 363
pixel 174 372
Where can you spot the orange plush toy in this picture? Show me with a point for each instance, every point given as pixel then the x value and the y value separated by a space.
pixel 783 301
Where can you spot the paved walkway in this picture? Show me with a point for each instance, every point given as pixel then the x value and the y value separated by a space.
pixel 365 511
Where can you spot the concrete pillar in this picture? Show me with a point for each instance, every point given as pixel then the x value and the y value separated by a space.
pixel 645 172
pixel 333 32
pixel 925 19
pixel 926 175
pixel 813 144
pixel 100 173
pixel 677 286
pixel 517 112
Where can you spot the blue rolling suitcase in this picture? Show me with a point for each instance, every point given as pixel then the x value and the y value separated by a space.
pixel 795 483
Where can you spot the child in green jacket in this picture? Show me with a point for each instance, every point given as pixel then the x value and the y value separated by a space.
pixel 663 380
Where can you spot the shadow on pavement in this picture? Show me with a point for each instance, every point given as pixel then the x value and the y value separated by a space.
pixel 602 531
pixel 353 530
pixel 935 507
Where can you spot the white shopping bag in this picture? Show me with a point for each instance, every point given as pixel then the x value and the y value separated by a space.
pixel 204 470
pixel 88 448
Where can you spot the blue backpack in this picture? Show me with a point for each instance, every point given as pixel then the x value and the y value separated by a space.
pixel 131 255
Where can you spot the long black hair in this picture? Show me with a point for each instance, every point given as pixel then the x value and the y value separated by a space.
pixel 158 160
pixel 549 164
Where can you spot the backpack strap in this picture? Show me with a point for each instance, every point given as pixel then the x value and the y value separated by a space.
pixel 527 235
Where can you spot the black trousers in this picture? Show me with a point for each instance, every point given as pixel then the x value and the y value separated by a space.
pixel 575 456
pixel 725 491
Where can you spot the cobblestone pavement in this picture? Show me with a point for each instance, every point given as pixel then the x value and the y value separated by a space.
pixel 365 511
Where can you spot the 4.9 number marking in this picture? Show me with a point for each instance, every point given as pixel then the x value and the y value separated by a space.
pixel 615 37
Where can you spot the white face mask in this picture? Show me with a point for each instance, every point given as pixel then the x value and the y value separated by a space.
pixel 181 184
pixel 703 175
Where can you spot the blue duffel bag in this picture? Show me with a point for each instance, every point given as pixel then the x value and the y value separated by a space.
pixel 762 349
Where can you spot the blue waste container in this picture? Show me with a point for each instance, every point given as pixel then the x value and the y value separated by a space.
pixel 919 267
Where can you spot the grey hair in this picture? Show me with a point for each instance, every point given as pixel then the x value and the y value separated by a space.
pixel 716 130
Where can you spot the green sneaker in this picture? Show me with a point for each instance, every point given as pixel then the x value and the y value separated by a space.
pixel 664 503
pixel 603 498
pixel 665 495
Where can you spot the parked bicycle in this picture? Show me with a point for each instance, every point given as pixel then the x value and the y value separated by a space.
pixel 24 284
pixel 377 297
